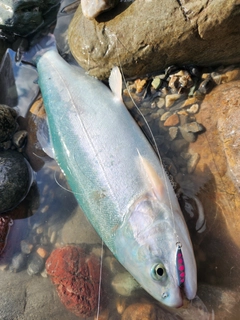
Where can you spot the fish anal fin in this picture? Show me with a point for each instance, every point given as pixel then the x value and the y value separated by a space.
pixel 115 82
pixel 155 182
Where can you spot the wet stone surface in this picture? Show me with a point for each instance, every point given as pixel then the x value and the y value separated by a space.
pixel 8 124
pixel 15 178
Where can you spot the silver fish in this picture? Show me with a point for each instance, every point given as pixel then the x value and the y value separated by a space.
pixel 116 177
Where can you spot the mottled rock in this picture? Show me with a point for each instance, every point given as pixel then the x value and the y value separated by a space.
pixel 137 33
pixel 8 123
pixel 76 276
pixel 15 179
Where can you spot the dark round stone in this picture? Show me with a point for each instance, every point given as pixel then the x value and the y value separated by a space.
pixel 8 123
pixel 15 179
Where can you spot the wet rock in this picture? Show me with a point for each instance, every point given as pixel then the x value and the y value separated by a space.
pixel 187 135
pixel 19 17
pixel 173 120
pixel 36 264
pixel 8 123
pixel 219 148
pixel 193 127
pixel 173 131
pixel 123 283
pixel 76 276
pixel 15 179
pixel 146 311
pixel 194 32
pixel 70 231
pixel 171 98
pixel 24 297
pixel 19 261
pixel 92 8
pixel 19 138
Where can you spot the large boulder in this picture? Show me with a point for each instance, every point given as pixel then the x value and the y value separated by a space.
pixel 144 36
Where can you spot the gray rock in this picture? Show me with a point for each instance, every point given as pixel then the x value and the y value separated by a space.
pixel 78 230
pixel 35 265
pixel 15 179
pixel 145 36
pixel 193 127
pixel 29 298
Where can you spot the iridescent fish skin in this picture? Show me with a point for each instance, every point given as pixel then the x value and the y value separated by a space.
pixel 116 178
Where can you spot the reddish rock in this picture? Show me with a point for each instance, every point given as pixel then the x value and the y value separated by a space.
pixel 76 275
pixel 173 120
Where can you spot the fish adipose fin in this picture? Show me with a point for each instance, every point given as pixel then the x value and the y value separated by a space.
pixel 115 82
pixel 155 182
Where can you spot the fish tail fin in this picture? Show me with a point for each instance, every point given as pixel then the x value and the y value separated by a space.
pixel 46 43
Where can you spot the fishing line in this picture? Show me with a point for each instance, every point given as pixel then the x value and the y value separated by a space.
pixel 100 280
pixel 111 35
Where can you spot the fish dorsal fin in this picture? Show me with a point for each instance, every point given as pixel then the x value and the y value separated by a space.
pixel 115 82
pixel 155 182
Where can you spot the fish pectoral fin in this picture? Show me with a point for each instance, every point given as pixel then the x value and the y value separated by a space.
pixel 155 182
pixel 115 82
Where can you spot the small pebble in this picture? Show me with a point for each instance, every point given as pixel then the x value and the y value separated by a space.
pixel 160 103
pixel 193 127
pixel 187 135
pixel 140 84
pixel 123 283
pixel 35 265
pixel 44 273
pixel 193 109
pixel 173 120
pixel 192 162
pixel 156 83
pixel 39 230
pixel 26 247
pixel 121 305
pixel 171 98
pixel 19 138
pixel 53 237
pixel 179 145
pixel 42 252
pixel 173 131
pixel 165 116
pixel 18 262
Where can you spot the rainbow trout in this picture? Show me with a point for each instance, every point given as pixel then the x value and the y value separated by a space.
pixel 116 176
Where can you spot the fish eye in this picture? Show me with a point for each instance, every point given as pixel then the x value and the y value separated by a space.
pixel 158 271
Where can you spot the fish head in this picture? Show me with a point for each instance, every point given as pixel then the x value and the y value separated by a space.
pixel 147 247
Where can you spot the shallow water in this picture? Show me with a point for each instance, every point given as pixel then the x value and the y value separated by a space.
pixel 54 220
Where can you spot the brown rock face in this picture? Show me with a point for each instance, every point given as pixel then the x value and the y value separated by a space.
pixel 145 36
pixel 76 276
pixel 217 248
